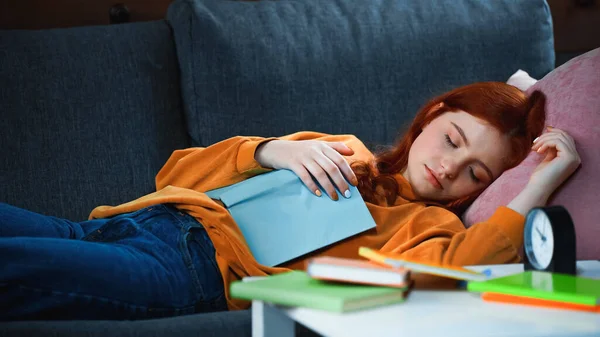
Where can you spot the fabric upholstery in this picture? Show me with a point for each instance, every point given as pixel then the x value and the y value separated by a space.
pixel 89 115
pixel 270 68
pixel 217 324
pixel 573 105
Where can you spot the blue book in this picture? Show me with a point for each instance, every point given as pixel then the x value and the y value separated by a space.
pixel 282 220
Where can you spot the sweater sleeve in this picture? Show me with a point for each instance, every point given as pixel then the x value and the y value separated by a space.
pixel 224 163
pixel 438 236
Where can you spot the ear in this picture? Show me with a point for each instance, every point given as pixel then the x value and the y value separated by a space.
pixel 436 107
pixel 432 110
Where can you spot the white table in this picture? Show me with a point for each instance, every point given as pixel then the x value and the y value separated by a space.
pixel 435 313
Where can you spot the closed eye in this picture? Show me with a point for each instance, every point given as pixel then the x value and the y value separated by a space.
pixel 449 141
pixel 473 176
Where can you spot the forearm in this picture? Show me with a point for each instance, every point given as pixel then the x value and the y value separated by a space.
pixel 268 154
pixel 528 198
pixel 439 237
pixel 224 163
pixel 259 154
pixel 203 169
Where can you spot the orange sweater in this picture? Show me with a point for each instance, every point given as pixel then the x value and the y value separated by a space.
pixel 410 228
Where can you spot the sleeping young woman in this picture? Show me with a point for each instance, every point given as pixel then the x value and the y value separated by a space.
pixel 175 251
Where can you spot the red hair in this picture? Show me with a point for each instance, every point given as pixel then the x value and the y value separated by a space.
pixel 503 106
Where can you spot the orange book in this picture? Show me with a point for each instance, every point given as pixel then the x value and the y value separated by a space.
pixel 395 261
pixel 513 299
pixel 337 269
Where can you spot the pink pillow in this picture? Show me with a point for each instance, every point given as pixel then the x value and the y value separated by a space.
pixel 573 105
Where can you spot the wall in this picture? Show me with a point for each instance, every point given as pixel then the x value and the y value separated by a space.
pixel 576 27
pixel 40 14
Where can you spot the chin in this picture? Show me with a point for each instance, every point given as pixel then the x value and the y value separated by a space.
pixel 432 195
pixel 424 194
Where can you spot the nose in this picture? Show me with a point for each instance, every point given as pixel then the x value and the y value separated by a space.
pixel 449 167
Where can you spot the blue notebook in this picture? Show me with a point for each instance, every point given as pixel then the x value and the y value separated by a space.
pixel 282 220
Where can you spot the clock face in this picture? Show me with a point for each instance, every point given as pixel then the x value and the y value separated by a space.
pixel 539 241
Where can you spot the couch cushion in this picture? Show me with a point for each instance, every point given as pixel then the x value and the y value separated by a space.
pixel 89 115
pixel 269 68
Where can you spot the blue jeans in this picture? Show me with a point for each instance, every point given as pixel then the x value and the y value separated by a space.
pixel 155 262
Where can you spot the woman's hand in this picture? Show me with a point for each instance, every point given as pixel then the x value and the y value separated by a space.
pixel 322 160
pixel 560 162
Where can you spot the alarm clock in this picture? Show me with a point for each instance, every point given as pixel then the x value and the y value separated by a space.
pixel 549 241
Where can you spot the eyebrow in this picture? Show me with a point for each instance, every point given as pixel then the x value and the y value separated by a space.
pixel 462 134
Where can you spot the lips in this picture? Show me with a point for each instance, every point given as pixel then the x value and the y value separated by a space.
pixel 430 176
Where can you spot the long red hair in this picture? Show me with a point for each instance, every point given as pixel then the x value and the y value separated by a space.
pixel 503 106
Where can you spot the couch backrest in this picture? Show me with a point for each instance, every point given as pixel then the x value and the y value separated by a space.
pixel 89 115
pixel 270 68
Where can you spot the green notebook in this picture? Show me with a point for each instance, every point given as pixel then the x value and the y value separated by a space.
pixel 543 285
pixel 296 288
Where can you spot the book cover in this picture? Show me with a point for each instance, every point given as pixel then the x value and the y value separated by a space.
pixel 536 302
pixel 454 272
pixel 297 288
pixel 282 220
pixel 337 269
pixel 543 285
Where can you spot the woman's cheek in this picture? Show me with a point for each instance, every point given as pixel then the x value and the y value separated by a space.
pixel 437 150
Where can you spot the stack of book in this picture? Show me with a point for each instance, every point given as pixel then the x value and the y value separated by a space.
pixel 342 285
pixel 542 289
pixel 329 283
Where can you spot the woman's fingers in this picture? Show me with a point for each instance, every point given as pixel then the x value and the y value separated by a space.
pixel 551 152
pixel 305 176
pixel 561 159
pixel 558 141
pixel 322 177
pixel 555 134
pixel 340 147
pixel 557 146
pixel 323 163
pixel 552 141
pixel 341 164
pixel 334 174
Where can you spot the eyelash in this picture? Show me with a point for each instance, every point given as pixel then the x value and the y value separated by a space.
pixel 451 144
pixel 473 176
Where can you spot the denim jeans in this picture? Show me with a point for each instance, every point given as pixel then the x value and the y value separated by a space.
pixel 155 262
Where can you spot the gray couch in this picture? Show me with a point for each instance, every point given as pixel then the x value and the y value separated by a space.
pixel 90 114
